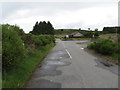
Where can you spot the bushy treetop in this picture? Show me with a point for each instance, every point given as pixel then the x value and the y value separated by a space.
pixel 43 28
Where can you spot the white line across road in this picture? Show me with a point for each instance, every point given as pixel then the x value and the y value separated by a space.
pixel 68 54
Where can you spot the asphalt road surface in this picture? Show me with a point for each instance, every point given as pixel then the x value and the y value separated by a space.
pixel 69 66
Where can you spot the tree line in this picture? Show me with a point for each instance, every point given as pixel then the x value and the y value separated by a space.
pixel 111 29
pixel 43 28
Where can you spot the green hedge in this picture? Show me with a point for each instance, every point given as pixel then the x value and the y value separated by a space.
pixel 17 77
pixel 13 50
pixel 17 45
pixel 42 40
pixel 38 40
pixel 106 47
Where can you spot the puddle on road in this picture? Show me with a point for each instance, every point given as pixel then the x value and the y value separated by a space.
pixel 42 83
pixel 107 65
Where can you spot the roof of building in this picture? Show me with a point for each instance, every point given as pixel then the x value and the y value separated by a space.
pixel 76 34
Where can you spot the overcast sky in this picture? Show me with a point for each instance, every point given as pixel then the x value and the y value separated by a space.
pixel 82 14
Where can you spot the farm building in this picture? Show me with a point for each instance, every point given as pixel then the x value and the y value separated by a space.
pixel 76 35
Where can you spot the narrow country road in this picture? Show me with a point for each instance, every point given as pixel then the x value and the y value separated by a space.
pixel 69 66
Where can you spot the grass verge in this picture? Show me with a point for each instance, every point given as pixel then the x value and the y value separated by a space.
pixel 17 77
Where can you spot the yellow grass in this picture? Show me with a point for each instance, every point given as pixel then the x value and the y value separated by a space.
pixel 59 36
pixel 110 36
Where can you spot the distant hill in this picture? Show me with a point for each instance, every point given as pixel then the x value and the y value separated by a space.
pixel 70 31
pixel 64 31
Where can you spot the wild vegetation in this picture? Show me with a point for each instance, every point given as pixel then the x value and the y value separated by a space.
pixel 21 53
pixel 107 44
pixel 112 36
pixel 13 49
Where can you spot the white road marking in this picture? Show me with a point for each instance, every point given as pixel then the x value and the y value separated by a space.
pixel 67 50
pixel 60 57
pixel 68 53
pixel 82 48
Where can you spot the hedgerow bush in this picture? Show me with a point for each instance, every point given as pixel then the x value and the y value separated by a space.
pixel 13 50
pixel 39 40
pixel 104 46
pixel 17 45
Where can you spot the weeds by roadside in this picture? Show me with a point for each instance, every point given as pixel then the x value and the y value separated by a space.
pixel 21 53
pixel 106 47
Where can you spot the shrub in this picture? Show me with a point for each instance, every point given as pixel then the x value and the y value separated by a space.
pixel 13 49
pixel 42 40
pixel 104 46
pixel 37 40
pixel 17 45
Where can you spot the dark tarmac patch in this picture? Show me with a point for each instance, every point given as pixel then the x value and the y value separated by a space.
pixel 61 54
pixel 51 63
pixel 107 65
pixel 58 63
pixel 47 72
pixel 49 68
pixel 42 83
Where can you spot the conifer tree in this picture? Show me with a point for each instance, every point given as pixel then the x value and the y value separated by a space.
pixel 43 28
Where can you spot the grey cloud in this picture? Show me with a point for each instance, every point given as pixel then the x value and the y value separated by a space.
pixel 49 9
pixel 75 25
pixel 46 8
